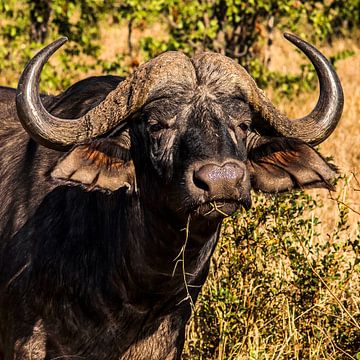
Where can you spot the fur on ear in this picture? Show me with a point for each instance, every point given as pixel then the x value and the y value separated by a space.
pixel 281 164
pixel 101 165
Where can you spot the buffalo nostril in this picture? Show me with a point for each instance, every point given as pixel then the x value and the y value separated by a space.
pixel 199 183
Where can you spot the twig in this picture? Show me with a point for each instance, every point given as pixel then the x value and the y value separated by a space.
pixel 355 323
pixel 335 345
pixel 129 40
pixel 357 181
pixel 180 258
pixel 216 208
pixel 346 205
pixel 353 320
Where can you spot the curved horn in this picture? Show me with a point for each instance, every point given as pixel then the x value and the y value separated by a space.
pixel 315 127
pixel 49 130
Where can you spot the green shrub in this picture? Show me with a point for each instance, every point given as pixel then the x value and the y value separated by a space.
pixel 277 290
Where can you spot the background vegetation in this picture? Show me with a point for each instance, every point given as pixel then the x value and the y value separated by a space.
pixel 284 282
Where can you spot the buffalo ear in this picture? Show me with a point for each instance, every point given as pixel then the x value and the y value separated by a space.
pixel 102 165
pixel 280 164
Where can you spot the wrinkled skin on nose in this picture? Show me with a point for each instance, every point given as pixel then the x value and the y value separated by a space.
pixel 219 181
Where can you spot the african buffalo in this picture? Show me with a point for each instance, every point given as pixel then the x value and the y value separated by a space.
pixel 113 189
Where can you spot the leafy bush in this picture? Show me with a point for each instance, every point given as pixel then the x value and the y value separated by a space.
pixel 277 289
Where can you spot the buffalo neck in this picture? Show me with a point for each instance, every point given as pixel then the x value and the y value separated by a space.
pixel 159 252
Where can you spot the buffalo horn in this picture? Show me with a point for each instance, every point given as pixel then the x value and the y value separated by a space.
pixel 54 132
pixel 315 127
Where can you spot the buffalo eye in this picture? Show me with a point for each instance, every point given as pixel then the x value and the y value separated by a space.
pixel 244 127
pixel 154 126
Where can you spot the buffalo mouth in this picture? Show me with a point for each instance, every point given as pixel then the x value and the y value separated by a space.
pixel 220 208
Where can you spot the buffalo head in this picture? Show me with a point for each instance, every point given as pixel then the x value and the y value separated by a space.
pixel 189 135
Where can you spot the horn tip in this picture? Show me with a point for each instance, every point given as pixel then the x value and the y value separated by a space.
pixel 290 37
pixel 63 39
